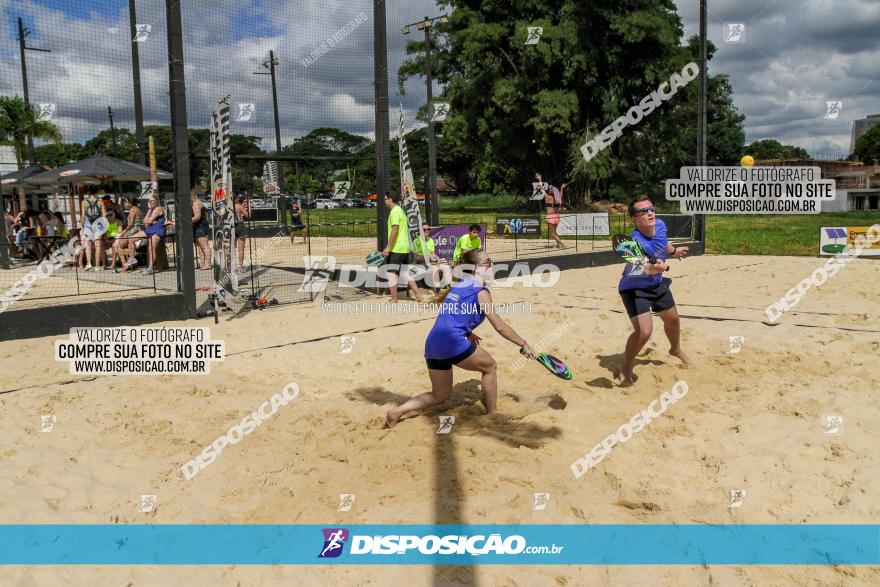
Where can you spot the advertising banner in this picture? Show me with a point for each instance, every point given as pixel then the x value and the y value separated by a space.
pixel 833 240
pixel 583 224
pixel 520 225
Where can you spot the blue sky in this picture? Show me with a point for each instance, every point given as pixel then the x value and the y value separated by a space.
pixel 792 59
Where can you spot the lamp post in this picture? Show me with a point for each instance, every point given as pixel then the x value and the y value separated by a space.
pixel 432 203
pixel 270 65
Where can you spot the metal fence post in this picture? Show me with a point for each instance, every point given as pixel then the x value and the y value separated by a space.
pixel 180 145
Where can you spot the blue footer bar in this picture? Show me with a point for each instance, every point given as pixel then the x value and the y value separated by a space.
pixel 625 544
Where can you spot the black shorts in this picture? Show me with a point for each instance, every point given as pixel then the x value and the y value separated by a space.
pixel 396 261
pixel 639 301
pixel 241 230
pixel 446 364
pixel 202 230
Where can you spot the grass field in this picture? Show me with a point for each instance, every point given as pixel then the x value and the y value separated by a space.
pixel 778 234
pixel 727 235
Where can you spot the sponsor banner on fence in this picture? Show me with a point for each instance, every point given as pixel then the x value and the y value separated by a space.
pixel 528 225
pixel 833 240
pixel 426 544
pixel 583 224
pixel 446 236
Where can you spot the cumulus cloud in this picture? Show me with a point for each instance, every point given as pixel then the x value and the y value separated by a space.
pixel 225 42
pixel 793 58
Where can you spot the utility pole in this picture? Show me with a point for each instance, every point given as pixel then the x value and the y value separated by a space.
pixel 702 120
pixel 136 78
pixel 270 64
pixel 432 202
pixel 113 132
pixel 115 150
pixel 180 145
pixel 433 205
pixel 380 91
pixel 23 34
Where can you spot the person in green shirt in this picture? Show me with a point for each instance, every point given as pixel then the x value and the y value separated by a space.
pixel 426 246
pixel 468 242
pixel 396 252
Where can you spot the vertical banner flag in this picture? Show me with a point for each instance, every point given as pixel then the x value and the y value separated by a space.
pixel 225 279
pixel 408 189
pixel 270 178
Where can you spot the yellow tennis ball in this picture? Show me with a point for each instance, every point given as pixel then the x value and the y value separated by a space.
pixel 747 161
pixel 533 140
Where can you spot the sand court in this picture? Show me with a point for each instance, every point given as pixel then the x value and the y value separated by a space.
pixel 752 420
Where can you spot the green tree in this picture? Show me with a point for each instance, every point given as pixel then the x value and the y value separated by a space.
pixel 766 149
pixel 518 108
pixel 310 176
pixel 124 146
pixel 55 154
pixel 868 146
pixel 18 120
pixel 243 173
pixel 646 155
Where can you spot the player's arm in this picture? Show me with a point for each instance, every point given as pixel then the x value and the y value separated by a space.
pixel 500 326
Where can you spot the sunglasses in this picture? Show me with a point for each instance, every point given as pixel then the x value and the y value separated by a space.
pixel 643 211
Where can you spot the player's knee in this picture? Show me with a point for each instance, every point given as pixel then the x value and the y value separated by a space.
pixel 490 366
pixel 644 335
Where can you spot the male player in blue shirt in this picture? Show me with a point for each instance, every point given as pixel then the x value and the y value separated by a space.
pixel 644 289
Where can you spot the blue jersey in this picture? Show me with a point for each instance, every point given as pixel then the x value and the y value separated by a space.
pixel 459 315
pixel 655 248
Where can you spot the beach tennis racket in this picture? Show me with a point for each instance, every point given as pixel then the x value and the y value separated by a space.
pixel 629 249
pixel 375 259
pixel 552 364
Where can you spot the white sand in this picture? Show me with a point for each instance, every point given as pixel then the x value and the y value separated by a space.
pixel 750 421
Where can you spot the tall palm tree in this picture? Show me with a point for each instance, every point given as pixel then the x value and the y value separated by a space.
pixel 17 121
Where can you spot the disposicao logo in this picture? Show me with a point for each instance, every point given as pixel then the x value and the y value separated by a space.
pixel 334 541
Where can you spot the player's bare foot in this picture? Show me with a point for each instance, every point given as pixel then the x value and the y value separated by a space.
pixel 391 419
pixel 680 355
pixel 625 378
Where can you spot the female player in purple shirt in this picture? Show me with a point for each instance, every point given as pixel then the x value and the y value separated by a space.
pixel 452 342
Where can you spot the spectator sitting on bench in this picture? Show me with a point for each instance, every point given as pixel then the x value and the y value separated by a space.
pixel 19 227
pixel 154 231
pixel 60 227
pixel 124 245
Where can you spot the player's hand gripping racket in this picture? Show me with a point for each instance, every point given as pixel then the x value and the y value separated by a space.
pixel 629 249
pixel 552 364
pixel 375 259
